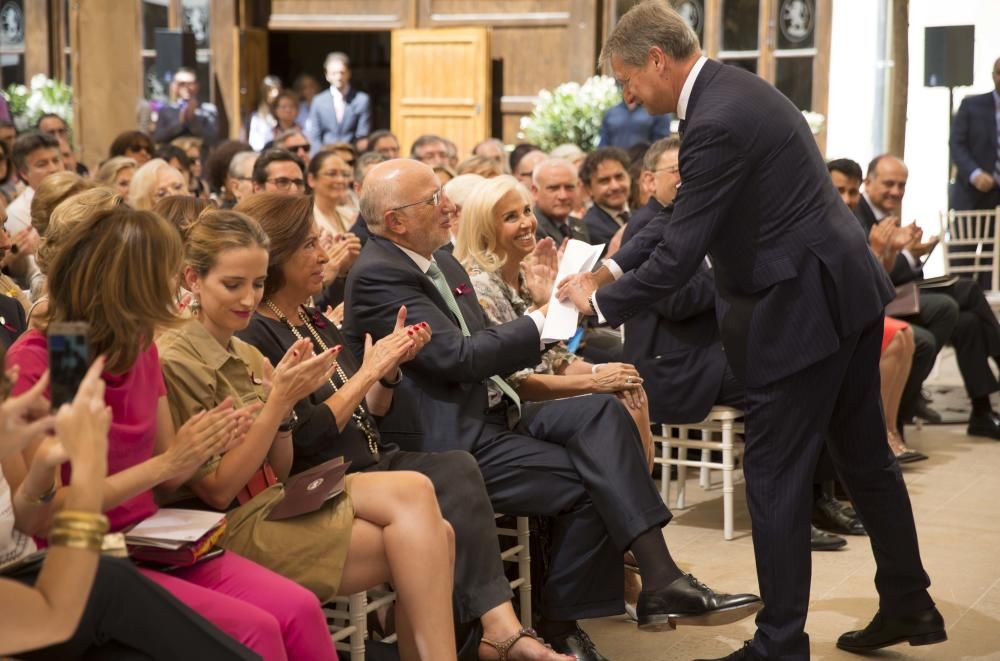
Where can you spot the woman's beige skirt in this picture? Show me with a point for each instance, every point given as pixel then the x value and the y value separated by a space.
pixel 310 549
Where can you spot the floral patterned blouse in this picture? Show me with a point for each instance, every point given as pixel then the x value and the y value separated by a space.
pixel 503 304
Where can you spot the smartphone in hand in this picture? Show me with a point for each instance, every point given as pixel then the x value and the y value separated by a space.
pixel 69 359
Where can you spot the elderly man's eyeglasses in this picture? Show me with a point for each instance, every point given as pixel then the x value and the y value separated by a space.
pixel 672 169
pixel 434 200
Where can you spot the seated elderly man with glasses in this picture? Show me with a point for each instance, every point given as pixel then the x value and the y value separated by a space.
pixel 279 171
pixel 578 460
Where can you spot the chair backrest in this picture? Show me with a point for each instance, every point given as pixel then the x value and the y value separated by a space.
pixel 968 239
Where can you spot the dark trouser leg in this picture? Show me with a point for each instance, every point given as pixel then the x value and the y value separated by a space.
pixel 129 617
pixel 970 340
pixel 732 392
pixel 480 583
pixel 872 477
pixel 787 423
pixel 925 351
pixel 580 461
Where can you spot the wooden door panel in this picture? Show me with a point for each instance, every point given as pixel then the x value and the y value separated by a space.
pixel 441 84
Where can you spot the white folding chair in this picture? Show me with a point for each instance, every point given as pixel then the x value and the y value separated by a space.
pixel 718 433
pixel 348 616
pixel 968 239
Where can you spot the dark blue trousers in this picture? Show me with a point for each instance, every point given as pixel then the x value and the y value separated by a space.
pixel 836 401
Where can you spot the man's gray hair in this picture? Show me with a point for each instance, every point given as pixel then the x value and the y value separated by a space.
pixel 651 23
pixel 551 164
pixel 239 161
pixel 377 197
pixel 364 161
pixel 657 149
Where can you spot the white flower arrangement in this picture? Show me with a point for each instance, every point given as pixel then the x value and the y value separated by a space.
pixel 44 95
pixel 571 113
pixel 815 121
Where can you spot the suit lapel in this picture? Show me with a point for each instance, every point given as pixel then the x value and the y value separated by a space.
pixel 394 254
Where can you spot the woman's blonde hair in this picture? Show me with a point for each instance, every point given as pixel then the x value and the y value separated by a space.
pixel 50 193
pixel 108 172
pixel 218 230
pixel 71 211
pixel 143 187
pixel 476 243
pixel 116 270
pixel 484 166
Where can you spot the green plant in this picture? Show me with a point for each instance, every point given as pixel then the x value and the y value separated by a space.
pixel 43 95
pixel 571 113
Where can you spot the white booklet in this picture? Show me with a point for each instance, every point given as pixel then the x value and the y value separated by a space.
pixel 562 318
pixel 173 528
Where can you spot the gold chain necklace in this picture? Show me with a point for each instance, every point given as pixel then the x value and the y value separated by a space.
pixel 359 414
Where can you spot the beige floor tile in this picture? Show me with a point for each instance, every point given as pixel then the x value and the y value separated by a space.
pixel 955 497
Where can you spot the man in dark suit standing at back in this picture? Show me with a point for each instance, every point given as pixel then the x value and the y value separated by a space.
pixel 341 113
pixel 800 304
pixel 975 149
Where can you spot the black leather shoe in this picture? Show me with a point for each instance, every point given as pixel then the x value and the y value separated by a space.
pixel 828 514
pixel 985 424
pixel 924 411
pixel 688 601
pixel 820 540
pixel 923 628
pixel 745 653
pixel 577 644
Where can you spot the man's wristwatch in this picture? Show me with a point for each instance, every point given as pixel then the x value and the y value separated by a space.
pixel 592 300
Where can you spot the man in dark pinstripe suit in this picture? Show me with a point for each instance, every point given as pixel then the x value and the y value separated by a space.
pixel 800 304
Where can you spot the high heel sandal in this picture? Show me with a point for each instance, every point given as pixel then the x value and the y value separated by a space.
pixel 903 454
pixel 503 647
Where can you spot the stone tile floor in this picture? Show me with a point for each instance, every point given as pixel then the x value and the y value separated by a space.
pixel 956 500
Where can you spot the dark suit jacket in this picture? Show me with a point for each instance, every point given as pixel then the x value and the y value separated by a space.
pixel 360 229
pixel 902 272
pixel 675 343
pixel 600 226
pixel 322 126
pixel 549 228
pixel 442 401
pixel 793 271
pixel 974 145
pixel 205 124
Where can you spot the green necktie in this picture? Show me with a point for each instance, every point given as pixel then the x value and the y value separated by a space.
pixel 437 277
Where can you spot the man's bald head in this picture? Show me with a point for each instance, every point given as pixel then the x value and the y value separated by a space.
pixel 386 187
pixel 885 183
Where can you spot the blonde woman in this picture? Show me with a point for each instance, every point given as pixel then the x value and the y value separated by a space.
pixel 116 173
pixel 154 181
pixel 495 239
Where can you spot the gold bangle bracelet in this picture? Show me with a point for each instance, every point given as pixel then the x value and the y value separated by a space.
pixel 81 520
pixel 75 540
pixel 86 527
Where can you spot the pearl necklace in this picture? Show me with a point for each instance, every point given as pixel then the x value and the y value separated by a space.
pixel 359 414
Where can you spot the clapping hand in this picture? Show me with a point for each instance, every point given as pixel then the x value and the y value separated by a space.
pixel 385 356
pixel 203 436
pixel 24 418
pixel 343 251
pixel 300 373
pixel 540 271
pixel 917 247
